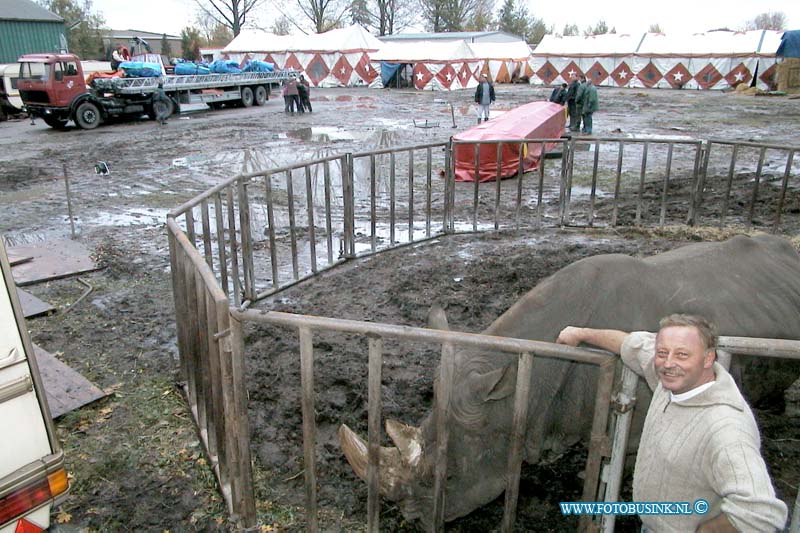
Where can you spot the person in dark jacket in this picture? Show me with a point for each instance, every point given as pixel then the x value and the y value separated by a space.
pixel 572 106
pixel 294 96
pixel 484 96
pixel 559 94
pixel 590 105
pixel 304 89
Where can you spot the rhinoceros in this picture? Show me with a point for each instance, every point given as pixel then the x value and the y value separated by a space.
pixel 749 286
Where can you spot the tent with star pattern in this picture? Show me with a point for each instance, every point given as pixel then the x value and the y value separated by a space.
pixel 712 60
pixel 436 65
pixel 337 58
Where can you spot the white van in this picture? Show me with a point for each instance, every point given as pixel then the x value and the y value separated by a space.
pixel 32 473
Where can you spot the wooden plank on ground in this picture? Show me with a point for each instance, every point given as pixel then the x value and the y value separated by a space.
pixel 65 388
pixel 15 258
pixel 51 260
pixel 33 306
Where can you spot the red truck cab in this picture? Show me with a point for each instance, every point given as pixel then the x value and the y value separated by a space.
pixel 51 86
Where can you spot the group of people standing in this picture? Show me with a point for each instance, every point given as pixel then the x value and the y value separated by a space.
pixel 581 101
pixel 297 95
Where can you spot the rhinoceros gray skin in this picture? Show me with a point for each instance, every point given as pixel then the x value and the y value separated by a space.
pixel 748 286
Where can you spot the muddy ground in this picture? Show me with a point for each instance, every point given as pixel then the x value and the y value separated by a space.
pixel 135 460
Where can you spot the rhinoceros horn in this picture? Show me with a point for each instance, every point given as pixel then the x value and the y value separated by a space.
pixel 397 464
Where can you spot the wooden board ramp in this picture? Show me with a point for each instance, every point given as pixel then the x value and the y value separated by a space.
pixel 66 389
pixel 33 306
pixel 51 260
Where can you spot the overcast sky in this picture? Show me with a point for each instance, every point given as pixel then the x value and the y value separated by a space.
pixel 627 16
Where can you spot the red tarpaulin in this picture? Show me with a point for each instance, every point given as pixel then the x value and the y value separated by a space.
pixel 537 120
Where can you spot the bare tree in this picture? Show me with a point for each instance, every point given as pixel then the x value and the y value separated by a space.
pixel 767 21
pixel 324 14
pixel 281 25
pixel 384 17
pixel 231 13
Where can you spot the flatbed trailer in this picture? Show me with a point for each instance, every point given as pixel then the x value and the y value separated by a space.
pixel 52 87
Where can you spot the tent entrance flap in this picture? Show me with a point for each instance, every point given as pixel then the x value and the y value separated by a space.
pixel 395 74
pixel 537 120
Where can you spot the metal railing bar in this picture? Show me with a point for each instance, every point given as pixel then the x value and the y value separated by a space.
pixel 410 195
pixel 729 185
pixel 642 173
pixel 428 190
pixel 221 254
pixel 373 203
pixel 690 219
pixel 328 224
pixel 206 225
pixel 540 191
pixel 476 185
pixel 237 288
pixel 498 178
pixel 190 231
pixel 594 183
pixel 505 344
pixel 385 151
pixel 518 210
pixel 273 249
pixel 615 209
pixel 292 223
pixel 247 241
pixel 663 217
pixel 784 185
pixel 392 198
pixel 312 234
pixel 754 198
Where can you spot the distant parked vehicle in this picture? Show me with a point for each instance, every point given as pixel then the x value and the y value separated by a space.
pixel 53 87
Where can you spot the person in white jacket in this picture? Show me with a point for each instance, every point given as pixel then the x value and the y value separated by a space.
pixel 700 441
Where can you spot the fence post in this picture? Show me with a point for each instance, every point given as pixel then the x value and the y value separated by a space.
pixel 242 494
pixel 448 223
pixel 348 199
pixel 625 401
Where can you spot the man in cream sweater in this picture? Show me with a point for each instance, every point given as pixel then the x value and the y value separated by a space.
pixel 700 440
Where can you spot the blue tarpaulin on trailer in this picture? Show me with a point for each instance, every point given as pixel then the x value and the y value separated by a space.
pixel 790 44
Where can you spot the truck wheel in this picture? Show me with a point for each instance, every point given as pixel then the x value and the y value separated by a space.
pixel 261 95
pixel 56 123
pixel 161 108
pixel 247 96
pixel 87 116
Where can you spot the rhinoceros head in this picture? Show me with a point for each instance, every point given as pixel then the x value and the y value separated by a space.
pixel 479 425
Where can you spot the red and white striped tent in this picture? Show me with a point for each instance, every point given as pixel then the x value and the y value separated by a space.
pixel 504 62
pixel 436 65
pixel 713 60
pixel 337 58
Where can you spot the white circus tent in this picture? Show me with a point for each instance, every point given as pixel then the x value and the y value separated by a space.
pixel 504 62
pixel 337 58
pixel 432 65
pixel 712 60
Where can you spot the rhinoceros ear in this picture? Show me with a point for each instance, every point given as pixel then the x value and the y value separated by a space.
pixel 497 384
pixel 437 319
